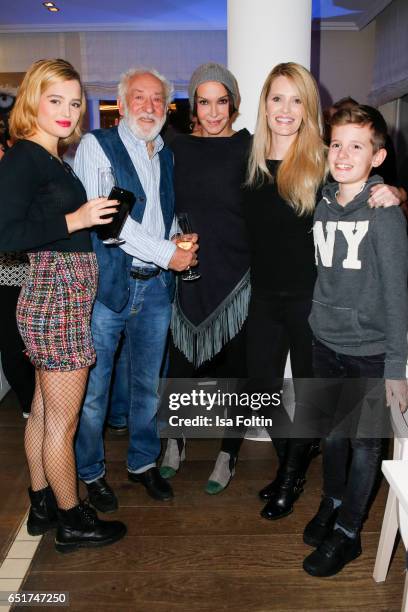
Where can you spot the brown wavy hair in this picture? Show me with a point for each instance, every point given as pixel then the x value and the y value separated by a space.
pixel 303 168
pixel 40 75
pixel 364 115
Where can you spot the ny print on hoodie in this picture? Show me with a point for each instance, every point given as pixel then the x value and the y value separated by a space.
pixel 360 301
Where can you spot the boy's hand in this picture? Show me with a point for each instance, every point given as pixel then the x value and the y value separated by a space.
pixel 396 391
pixel 384 195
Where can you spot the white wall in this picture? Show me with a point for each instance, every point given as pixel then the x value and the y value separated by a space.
pixel 343 63
pixel 390 114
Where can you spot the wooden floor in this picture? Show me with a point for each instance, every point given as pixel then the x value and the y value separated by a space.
pixel 198 552
pixel 13 472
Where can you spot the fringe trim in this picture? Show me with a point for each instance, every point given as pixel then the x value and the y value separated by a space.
pixel 202 343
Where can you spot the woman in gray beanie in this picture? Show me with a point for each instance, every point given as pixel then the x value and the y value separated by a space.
pixel 207 330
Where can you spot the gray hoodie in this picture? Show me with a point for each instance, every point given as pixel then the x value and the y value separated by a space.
pixel 360 302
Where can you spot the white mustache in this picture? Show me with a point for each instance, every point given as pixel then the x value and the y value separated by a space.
pixel 140 132
pixel 146 116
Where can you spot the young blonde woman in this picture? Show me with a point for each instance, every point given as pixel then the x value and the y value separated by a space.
pixel 45 213
pixel 287 166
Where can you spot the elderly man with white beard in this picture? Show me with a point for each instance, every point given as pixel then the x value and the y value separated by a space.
pixel 136 283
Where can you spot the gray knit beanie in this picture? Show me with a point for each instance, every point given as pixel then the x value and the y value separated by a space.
pixel 213 72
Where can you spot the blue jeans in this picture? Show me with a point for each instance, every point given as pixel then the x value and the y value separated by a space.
pixel 144 321
pixel 352 482
pixel 119 394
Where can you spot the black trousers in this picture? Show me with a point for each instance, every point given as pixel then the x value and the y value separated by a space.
pixel 16 366
pixel 276 325
pixel 352 451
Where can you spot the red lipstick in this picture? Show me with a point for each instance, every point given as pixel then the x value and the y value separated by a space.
pixel 65 124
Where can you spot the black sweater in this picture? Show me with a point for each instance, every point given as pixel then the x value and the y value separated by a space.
pixel 281 242
pixel 37 191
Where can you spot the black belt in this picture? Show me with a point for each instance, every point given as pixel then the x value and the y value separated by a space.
pixel 140 274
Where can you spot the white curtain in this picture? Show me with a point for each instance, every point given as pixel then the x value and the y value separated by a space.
pixel 105 55
pixel 19 51
pixel 391 54
pixel 101 57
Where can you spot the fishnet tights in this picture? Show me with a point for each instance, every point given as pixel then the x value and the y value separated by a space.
pixel 50 432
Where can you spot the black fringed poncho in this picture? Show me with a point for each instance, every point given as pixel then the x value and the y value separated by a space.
pixel 209 174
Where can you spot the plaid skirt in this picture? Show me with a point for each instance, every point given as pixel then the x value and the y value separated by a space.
pixel 54 310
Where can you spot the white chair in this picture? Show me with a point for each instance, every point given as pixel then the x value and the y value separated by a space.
pixel 395 515
pixel 396 474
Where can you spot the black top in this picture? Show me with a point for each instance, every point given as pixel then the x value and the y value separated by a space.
pixel 37 191
pixel 209 174
pixel 281 242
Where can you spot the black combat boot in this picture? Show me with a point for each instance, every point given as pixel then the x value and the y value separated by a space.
pixel 80 527
pixel 43 511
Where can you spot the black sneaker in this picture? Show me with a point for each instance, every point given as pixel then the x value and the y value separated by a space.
pixel 321 524
pixel 101 496
pixel 332 555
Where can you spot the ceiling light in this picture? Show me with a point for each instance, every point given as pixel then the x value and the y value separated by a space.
pixel 48 4
pixel 53 9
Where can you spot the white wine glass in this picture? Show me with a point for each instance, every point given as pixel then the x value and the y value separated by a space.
pixel 185 226
pixel 106 181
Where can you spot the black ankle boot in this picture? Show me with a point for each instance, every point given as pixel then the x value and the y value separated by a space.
pixel 281 504
pixel 272 488
pixel 43 511
pixel 80 527
pixel 291 482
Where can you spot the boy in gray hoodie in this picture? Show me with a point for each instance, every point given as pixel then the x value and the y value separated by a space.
pixel 359 320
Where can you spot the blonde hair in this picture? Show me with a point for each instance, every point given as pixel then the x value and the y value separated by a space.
pixel 304 166
pixel 40 75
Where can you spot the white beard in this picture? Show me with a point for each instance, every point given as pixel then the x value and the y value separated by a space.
pixel 139 133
